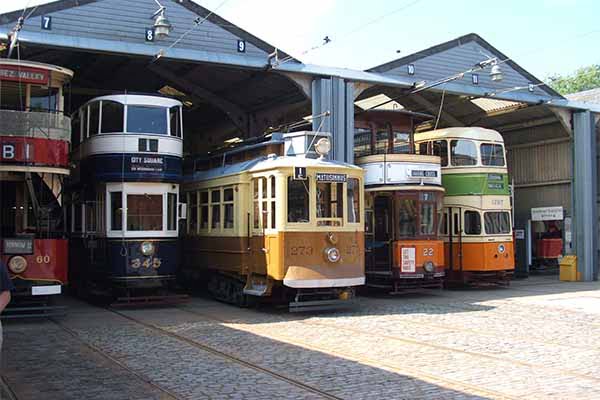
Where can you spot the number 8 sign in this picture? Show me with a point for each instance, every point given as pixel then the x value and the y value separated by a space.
pixel 149 34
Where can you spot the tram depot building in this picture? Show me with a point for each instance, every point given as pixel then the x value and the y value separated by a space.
pixel 234 85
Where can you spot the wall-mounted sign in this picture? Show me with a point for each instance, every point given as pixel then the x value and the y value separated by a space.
pixel 519 234
pixel 149 35
pixel 147 164
pixel 417 173
pixel 47 23
pixel 300 173
pixel 18 246
pixel 241 46
pixel 23 74
pixel 547 214
pixel 338 178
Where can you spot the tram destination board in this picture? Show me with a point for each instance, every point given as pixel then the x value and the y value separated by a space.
pixel 17 246
pixel 324 177
pixel 419 173
pixel 147 164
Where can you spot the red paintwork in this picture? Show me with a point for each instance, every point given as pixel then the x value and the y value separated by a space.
pixel 56 251
pixel 549 248
pixel 23 74
pixel 42 152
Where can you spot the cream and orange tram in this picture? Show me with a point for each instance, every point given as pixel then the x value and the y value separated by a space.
pixel 477 225
pixel 273 219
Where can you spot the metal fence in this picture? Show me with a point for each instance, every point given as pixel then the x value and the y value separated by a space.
pixel 43 125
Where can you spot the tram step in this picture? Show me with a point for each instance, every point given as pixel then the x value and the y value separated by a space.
pixel 136 301
pixel 320 305
pixel 34 312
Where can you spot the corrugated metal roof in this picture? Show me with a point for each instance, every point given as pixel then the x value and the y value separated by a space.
pixel 494 105
pixel 586 96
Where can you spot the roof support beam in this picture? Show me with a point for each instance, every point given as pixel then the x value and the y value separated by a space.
pixel 236 114
pixel 565 118
pixel 525 125
pixel 446 117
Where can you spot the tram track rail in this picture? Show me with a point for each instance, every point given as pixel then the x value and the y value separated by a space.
pixel 228 357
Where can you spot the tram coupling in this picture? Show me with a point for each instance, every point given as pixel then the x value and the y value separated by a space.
pixel 307 300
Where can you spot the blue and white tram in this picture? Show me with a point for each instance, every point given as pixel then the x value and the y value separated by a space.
pixel 127 156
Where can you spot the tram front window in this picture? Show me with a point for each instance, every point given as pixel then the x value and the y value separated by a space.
pixel 492 154
pixel 298 200
pixel 144 212
pixel 362 142
pixel 43 99
pixel 463 152
pixel 497 222
pixel 145 119
pixel 330 203
pixel 402 143
pixel 382 141
pixel 353 195
pixel 407 217
pixel 472 223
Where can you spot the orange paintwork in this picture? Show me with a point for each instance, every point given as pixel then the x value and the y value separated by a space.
pixel 425 250
pixel 482 256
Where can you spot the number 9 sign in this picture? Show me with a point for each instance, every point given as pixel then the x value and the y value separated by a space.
pixel 241 46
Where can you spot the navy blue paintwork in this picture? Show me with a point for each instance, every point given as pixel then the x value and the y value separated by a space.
pixel 125 258
pixel 132 167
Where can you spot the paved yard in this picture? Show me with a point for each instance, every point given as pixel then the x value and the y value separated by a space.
pixel 537 339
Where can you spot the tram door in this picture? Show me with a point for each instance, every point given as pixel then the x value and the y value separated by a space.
pixel 455 231
pixel 382 233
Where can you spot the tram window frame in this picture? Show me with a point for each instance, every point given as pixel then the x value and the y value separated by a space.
pixel 476 229
pixel 332 205
pixel 303 186
pixel 204 217
pixel 179 122
pixel 463 160
pixel 432 203
pixel 171 211
pixel 488 161
pixel 130 124
pixel 272 207
pixel 440 148
pixel 114 212
pixel 110 118
pixel 380 129
pixel 443 227
pixel 94 118
pixel 228 205
pixel 353 201
pixel 142 216
pixel 215 205
pixel 49 98
pixel 497 223
pixel 402 204
pixel 193 222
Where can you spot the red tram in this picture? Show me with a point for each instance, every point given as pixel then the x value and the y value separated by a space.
pixel 34 148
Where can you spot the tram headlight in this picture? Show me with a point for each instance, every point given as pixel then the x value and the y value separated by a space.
pixel 501 248
pixel 17 264
pixel 333 254
pixel 147 248
pixel 323 146
pixel 429 267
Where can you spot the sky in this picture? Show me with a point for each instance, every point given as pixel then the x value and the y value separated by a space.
pixel 546 37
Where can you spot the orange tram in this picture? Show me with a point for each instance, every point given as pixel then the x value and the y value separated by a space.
pixel 34 146
pixel 403 201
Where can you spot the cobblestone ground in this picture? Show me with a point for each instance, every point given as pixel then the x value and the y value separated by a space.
pixel 537 339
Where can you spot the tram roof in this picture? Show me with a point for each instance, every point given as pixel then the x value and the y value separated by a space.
pixel 472 132
pixel 67 73
pixel 268 163
pixel 139 100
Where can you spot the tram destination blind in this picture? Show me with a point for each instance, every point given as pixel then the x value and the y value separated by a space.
pixel 339 178
pixel 147 164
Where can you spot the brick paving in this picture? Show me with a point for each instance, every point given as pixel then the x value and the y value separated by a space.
pixel 535 340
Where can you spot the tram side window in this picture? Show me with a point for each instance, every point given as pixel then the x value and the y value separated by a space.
pixel 116 211
pixel 497 222
pixel 145 119
pixel 171 212
pixel 204 210
pixel 382 141
pixel 330 203
pixel 463 152
pixel 440 149
pixel 192 200
pixel 444 223
pixel 353 195
pixel 407 217
pixel 427 220
pixel 228 217
pixel 112 117
pixel 362 142
pixel 94 118
pixel 144 212
pixel 43 99
pixel 492 154
pixel 298 200
pixel 256 203
pixel 472 223
pixel 273 208
pixel 424 148
pixel 402 142
pixel 215 201
pixel 175 121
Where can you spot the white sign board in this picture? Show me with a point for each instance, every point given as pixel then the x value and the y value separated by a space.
pixel 519 234
pixel 408 259
pixel 45 290
pixel 547 214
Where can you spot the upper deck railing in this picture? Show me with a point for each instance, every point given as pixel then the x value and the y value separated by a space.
pixel 33 124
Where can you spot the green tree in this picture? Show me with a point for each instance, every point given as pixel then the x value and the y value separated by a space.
pixel 583 79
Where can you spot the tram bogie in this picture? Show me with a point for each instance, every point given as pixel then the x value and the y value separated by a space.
pixel 124 196
pixel 276 227
pixel 34 143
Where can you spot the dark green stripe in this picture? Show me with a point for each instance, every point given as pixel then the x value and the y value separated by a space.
pixel 475 184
